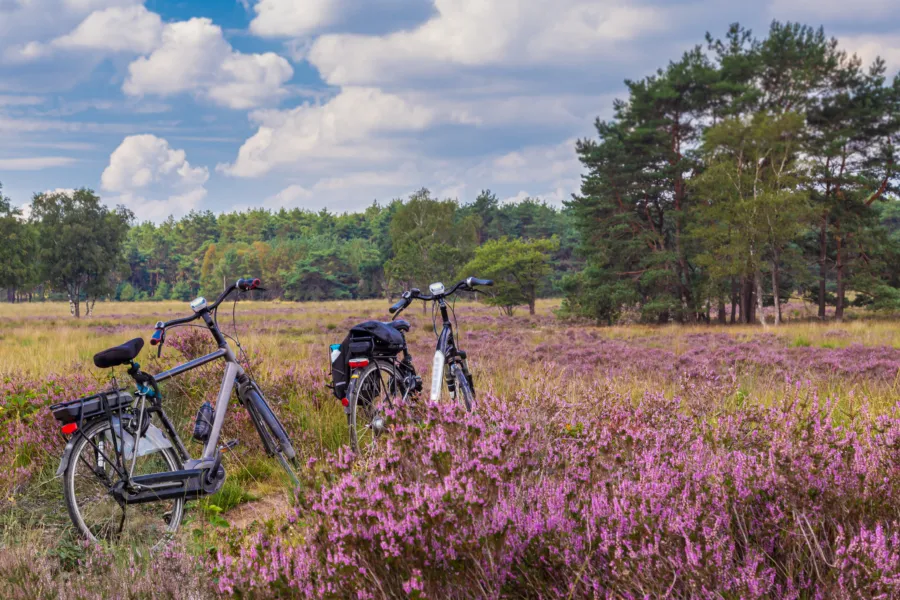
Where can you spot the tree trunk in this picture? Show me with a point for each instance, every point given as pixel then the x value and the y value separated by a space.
pixel 775 290
pixel 75 302
pixel 823 264
pixel 839 272
pixel 723 317
pixel 748 313
pixel 734 299
pixel 757 277
pixel 531 302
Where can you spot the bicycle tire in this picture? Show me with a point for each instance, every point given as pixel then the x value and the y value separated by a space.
pixel 362 419
pixel 141 537
pixel 271 439
pixel 464 392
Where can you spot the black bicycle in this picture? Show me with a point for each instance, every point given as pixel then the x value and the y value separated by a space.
pixel 371 370
pixel 450 364
pixel 126 472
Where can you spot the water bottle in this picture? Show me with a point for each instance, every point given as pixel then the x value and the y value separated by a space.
pixel 335 352
pixel 203 425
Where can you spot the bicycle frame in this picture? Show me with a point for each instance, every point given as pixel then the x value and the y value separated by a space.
pixel 445 355
pixel 235 376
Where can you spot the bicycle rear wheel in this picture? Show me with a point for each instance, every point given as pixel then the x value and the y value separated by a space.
pixel 378 387
pixel 96 514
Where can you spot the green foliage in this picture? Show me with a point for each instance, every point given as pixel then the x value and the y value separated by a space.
pixel 163 292
pixel 127 293
pixel 79 243
pixel 304 255
pixel 518 267
pixel 181 291
pixel 18 248
pixel 430 238
pixel 752 158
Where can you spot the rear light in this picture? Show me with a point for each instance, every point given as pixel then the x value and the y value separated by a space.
pixel 70 428
pixel 358 363
pixel 345 402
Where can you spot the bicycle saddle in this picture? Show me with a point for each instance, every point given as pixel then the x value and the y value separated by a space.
pixel 399 325
pixel 119 355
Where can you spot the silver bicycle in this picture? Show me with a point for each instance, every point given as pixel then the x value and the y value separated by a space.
pixel 126 472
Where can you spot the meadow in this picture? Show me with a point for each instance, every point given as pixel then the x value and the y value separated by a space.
pixel 618 462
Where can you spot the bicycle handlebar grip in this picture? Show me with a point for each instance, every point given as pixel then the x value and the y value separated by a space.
pixel 397 306
pixel 157 337
pixel 475 281
pixel 245 285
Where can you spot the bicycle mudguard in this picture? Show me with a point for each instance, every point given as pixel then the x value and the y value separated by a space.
pixel 67 454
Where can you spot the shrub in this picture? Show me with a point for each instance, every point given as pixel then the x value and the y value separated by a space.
pixel 591 498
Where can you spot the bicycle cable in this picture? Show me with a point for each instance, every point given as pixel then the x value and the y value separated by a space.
pixel 456 335
pixel 237 340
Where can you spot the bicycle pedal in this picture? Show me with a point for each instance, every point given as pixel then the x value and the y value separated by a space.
pixel 229 445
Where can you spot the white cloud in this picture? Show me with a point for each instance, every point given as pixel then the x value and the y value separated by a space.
pixel 870 46
pixel 27 25
pixel 555 164
pixel 35 163
pixel 6 100
pixel 195 57
pixel 475 33
pixel 834 9
pixel 285 18
pixel 347 126
pixel 115 29
pixel 291 196
pixel 153 179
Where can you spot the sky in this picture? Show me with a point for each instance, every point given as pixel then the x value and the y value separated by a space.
pixel 171 106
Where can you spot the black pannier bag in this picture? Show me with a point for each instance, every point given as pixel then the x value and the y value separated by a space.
pixel 386 340
pixel 372 338
pixel 340 370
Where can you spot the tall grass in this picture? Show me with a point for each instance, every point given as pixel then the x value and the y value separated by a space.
pixel 542 372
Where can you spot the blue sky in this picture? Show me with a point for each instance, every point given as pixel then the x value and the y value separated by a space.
pixel 170 106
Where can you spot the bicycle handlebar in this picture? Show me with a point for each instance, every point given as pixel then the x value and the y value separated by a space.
pixel 244 285
pixel 414 294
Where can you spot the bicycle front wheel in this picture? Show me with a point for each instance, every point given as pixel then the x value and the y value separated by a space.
pixel 464 392
pixel 377 388
pixel 274 437
pixel 96 514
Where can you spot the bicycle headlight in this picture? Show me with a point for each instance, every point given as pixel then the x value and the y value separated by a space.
pixel 436 288
pixel 198 304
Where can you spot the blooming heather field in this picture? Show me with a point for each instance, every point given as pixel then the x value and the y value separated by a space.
pixel 624 462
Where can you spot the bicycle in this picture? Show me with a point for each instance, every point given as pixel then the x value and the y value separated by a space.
pixel 109 430
pixel 374 378
pixel 450 363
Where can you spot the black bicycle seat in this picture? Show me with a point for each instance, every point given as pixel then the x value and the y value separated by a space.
pixel 399 325
pixel 120 355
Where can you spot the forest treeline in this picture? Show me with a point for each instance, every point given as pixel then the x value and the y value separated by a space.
pixel 749 171
pixel 73 247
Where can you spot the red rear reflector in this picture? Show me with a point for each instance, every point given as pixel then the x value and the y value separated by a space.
pixel 358 363
pixel 345 402
pixel 70 428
